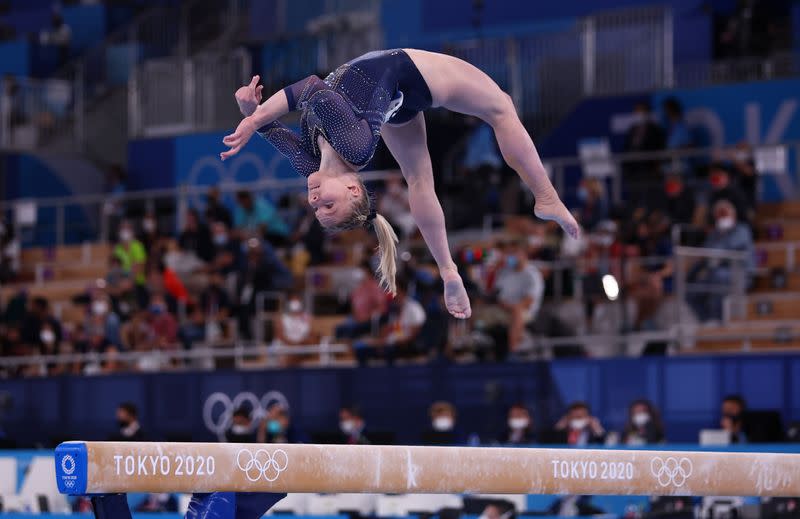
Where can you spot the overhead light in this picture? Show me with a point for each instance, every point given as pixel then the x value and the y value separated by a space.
pixel 611 287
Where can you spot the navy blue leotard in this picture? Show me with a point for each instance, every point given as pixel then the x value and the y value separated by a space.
pixel 348 108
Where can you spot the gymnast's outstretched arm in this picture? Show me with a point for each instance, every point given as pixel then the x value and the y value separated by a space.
pixel 408 144
pixel 258 116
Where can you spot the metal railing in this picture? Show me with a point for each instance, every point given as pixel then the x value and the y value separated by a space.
pixel 176 95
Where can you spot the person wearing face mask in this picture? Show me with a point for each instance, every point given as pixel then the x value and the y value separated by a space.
pixel 519 430
pixel 40 329
pixel 128 422
pixel 593 202
pixel 132 255
pixel 227 254
pixel 163 325
pixel 102 320
pixel 352 427
pixel 732 413
pixel 644 425
pixel 241 429
pixel 443 426
pixel 644 135
pixel 277 427
pixel 520 288
pixel 728 234
pixel 263 271
pixel 578 427
pixel 150 236
pixel 723 187
pixel 368 306
pixel 293 327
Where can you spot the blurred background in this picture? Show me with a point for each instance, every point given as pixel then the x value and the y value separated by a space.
pixel 149 291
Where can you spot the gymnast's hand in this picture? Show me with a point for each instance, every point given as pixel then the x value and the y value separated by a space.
pixel 239 138
pixel 248 97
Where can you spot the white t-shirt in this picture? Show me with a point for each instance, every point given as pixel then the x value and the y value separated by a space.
pixel 412 315
pixel 515 285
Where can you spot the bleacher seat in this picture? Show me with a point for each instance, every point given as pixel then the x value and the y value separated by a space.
pixel 8 475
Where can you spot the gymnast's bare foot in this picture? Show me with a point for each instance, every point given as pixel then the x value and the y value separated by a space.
pixel 455 295
pixel 552 208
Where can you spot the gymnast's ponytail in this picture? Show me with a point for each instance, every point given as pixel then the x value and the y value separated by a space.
pixel 363 215
pixel 387 252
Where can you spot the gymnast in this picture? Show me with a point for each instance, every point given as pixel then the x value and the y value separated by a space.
pixel 383 94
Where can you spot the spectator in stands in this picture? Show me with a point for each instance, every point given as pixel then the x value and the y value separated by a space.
pixel 101 320
pixel 194 329
pixel 394 206
pixel 59 36
pixel 680 202
pixel 40 329
pixel 128 422
pixel 443 425
pixel 133 257
pixel 120 286
pixel 398 337
pixel 723 188
pixel 743 168
pixel 294 327
pixel 151 236
pixel 10 252
pixel 732 413
pixel 241 429
pixel 593 202
pixel 257 217
pixel 196 237
pixel 163 325
pixel 368 305
pixel 520 288
pixel 519 430
pixel 578 427
pixel 678 135
pixel 263 272
pixel 277 427
pixel 166 278
pixel 644 424
pixel 730 235
pixel 216 210
pixel 645 134
pixel 309 233
pixel 227 250
pixel 162 502
pixel 352 426
pixel 215 302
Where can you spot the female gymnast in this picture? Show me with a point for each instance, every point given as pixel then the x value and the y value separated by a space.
pixel 383 94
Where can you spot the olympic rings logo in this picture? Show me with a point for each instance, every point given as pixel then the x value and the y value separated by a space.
pixel 68 464
pixel 671 471
pixel 262 464
pixel 218 409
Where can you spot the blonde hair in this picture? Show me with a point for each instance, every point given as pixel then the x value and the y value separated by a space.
pixel 362 216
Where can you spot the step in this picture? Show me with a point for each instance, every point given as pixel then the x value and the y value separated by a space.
pixel 91 253
pixel 779 210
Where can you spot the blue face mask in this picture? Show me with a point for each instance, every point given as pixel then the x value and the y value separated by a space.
pixel 156 309
pixel 274 427
pixel 583 194
pixel 511 262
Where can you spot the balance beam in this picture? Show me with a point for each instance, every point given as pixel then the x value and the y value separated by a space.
pixel 111 467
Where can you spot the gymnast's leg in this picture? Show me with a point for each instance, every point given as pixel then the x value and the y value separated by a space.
pixel 461 87
pixel 408 144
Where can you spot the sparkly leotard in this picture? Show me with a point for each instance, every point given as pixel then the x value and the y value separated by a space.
pixel 349 107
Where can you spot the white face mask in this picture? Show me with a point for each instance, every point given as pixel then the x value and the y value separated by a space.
pixel 99 307
pixel 442 423
pixel 295 306
pixel 220 239
pixel 347 426
pixel 358 276
pixel 640 419
pixel 126 235
pixel 47 336
pixel 726 223
pixel 149 225
pixel 518 423
pixel 240 429
pixel 577 424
